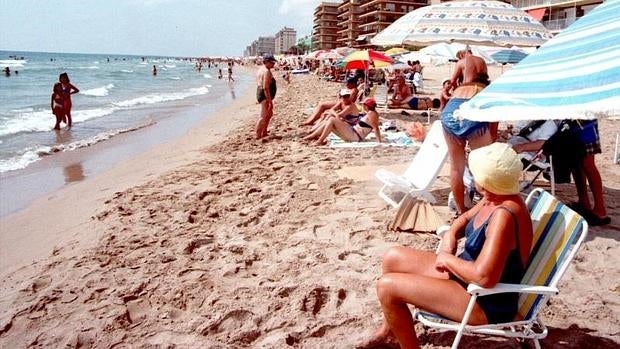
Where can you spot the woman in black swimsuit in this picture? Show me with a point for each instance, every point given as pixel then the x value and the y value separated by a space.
pixel 498 233
pixel 355 130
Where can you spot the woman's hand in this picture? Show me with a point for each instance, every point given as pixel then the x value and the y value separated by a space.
pixel 441 262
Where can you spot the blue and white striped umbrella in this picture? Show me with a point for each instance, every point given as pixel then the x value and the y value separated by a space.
pixel 492 23
pixel 575 75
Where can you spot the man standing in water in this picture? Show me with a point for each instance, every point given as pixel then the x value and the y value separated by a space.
pixel 265 92
pixel 230 73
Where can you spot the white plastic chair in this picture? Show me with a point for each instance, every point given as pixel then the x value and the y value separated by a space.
pixel 422 172
pixel 558 233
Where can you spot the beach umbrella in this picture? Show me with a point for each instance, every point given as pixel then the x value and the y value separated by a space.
pixel 314 54
pixel 469 22
pixel 396 51
pixel 508 56
pixel 344 50
pixel 416 215
pixel 399 66
pixel 331 54
pixel 575 75
pixel 361 59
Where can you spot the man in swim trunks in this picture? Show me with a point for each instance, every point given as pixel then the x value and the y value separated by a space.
pixel 471 72
pixel 265 92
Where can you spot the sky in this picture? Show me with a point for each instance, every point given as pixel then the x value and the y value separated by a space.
pixel 148 27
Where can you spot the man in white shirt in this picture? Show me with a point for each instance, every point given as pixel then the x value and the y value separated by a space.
pixel 532 136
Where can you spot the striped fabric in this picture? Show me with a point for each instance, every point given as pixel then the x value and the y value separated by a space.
pixel 468 22
pixel 575 75
pixel 556 228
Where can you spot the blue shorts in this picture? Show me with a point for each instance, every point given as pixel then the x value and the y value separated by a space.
pixel 464 129
pixel 413 103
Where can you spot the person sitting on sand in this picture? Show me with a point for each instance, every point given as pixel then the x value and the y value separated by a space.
pixel 344 110
pixel 498 239
pixel 402 93
pixel 326 105
pixel 353 129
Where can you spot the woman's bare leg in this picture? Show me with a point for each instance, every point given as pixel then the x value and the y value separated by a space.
pixel 318 111
pixel 443 297
pixel 340 128
pixel 456 153
pixel 403 260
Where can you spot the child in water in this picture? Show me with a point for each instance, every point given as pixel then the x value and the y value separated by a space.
pixel 57 105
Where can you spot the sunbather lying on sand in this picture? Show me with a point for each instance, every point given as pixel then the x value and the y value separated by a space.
pixel 325 106
pixel 417 103
pixel 351 129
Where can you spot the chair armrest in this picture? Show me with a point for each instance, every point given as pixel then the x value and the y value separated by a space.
pixel 504 288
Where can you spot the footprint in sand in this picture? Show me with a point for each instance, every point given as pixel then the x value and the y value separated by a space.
pixel 197 243
pixel 315 300
pixel 41 283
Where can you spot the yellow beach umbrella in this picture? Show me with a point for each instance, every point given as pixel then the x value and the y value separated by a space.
pixel 396 51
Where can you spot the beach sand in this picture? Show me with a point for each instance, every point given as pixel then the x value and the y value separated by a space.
pixel 221 241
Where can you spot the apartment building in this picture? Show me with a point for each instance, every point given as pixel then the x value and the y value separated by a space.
pixel 284 40
pixel 556 15
pixel 349 22
pixel 265 45
pixel 379 14
pixel 325 29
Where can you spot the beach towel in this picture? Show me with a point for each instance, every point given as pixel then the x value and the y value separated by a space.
pixel 390 139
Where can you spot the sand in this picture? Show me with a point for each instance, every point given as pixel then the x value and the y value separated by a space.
pixel 221 241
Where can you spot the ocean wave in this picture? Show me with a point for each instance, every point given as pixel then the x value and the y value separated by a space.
pixel 42 120
pixel 158 98
pixel 207 76
pixel 31 155
pixel 170 66
pixel 12 63
pixel 99 91
pixel 174 77
pixel 126 71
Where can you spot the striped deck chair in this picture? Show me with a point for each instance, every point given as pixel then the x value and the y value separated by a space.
pixel 558 233
pixel 381 97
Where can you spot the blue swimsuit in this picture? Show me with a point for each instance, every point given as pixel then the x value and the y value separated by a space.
pixel 501 307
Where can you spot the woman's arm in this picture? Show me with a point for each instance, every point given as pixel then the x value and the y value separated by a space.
pixel 73 89
pixel 487 269
pixel 457 229
pixel 52 102
pixel 351 109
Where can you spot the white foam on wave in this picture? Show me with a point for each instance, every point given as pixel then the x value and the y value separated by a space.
pixel 99 91
pixel 158 98
pixel 170 66
pixel 207 76
pixel 12 63
pixel 31 155
pixel 42 120
pixel 126 70
pixel 89 67
pixel 174 77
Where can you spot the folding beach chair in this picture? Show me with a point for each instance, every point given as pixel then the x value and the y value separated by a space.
pixel 381 97
pixel 540 165
pixel 558 233
pixel 422 172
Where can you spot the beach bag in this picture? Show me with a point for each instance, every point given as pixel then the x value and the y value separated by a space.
pixel 416 131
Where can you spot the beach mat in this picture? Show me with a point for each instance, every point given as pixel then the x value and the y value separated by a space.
pixel 390 139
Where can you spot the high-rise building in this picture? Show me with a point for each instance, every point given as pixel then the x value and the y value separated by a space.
pixel 265 45
pixel 349 22
pixel 379 14
pixel 284 40
pixel 325 29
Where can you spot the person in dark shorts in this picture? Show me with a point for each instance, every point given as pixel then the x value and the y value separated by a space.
pixel 587 175
pixel 265 92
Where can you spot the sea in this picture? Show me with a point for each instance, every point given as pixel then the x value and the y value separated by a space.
pixel 118 95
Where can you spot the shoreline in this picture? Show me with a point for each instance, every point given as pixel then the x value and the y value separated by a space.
pixel 119 172
pixel 159 125
pixel 262 244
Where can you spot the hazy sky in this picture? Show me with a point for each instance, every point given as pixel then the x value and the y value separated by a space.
pixel 148 27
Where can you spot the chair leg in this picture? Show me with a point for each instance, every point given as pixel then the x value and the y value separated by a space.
pixel 459 333
pixel 536 343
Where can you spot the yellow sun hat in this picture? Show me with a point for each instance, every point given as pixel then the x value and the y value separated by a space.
pixel 496 168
